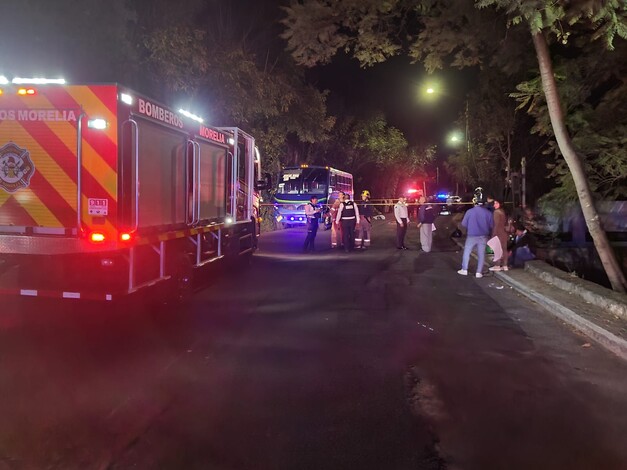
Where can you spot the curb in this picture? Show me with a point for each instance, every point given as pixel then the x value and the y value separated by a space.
pixel 603 337
pixel 606 339
pixel 603 298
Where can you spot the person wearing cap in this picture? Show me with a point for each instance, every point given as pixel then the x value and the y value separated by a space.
pixel 312 212
pixel 347 217
pixel 336 229
pixel 426 218
pixel 364 227
pixel 402 220
pixel 478 222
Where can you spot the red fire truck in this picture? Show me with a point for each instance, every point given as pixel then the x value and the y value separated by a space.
pixel 105 192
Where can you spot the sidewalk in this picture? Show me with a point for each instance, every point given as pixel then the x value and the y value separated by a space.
pixel 599 313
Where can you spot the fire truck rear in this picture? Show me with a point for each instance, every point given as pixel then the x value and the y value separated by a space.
pixel 105 192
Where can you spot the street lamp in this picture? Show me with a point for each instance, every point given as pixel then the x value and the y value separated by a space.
pixel 455 138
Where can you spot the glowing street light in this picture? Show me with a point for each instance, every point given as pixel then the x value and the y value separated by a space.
pixel 430 91
pixel 455 138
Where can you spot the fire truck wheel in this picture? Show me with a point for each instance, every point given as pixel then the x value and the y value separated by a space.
pixel 183 280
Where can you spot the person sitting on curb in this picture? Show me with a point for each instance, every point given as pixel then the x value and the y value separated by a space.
pixel 523 247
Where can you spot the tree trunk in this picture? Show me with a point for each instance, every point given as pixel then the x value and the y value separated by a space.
pixel 606 253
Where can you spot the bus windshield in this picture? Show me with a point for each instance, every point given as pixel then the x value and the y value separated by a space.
pixel 303 181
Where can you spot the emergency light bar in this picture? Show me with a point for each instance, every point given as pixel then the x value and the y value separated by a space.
pixel 191 115
pixel 4 80
pixel 37 81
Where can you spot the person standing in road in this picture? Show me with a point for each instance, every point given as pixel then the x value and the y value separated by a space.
pixel 478 222
pixel 500 231
pixel 312 212
pixel 336 231
pixel 347 217
pixel 426 219
pixel 402 220
pixel 365 221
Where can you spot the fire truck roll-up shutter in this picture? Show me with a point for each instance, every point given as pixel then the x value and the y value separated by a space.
pixel 38 173
pixel 44 138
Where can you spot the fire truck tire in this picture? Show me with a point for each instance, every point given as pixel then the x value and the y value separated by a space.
pixel 183 280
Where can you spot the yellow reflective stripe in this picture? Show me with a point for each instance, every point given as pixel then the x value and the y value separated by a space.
pixel 45 164
pixel 94 108
pixel 93 162
pixel 4 197
pixel 36 209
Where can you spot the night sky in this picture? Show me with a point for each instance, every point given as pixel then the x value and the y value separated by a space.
pixel 38 39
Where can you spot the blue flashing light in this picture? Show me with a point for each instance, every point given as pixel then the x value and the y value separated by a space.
pixel 291 218
pixel 442 196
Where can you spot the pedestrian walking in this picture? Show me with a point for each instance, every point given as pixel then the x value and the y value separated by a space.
pixel 312 212
pixel 364 227
pixel 478 222
pixel 336 230
pixel 402 220
pixel 500 231
pixel 426 219
pixel 347 217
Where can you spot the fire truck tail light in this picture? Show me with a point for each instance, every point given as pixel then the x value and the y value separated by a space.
pixel 125 237
pixel 97 123
pixel 26 92
pixel 97 237
pixel 125 98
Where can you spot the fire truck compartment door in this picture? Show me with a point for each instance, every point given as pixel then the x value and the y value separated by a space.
pixel 162 175
pixel 38 173
pixel 212 181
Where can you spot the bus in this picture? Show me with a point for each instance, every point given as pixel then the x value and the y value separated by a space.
pixel 298 183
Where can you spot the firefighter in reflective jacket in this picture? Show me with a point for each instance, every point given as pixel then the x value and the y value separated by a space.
pixel 365 221
pixel 336 231
pixel 312 211
pixel 347 217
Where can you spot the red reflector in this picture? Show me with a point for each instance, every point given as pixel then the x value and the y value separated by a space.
pixel 97 237
pixel 125 237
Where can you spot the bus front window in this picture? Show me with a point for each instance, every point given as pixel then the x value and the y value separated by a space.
pixel 303 181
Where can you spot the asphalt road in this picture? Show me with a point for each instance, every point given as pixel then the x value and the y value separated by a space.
pixel 376 360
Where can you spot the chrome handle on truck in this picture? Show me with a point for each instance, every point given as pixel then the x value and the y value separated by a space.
pixel 136 150
pixel 79 166
pixel 197 205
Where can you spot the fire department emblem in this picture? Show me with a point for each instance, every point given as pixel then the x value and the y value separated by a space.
pixel 16 168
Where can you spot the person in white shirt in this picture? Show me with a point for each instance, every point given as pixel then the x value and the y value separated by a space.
pixel 347 217
pixel 402 221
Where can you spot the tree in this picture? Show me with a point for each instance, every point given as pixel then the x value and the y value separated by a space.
pixel 439 30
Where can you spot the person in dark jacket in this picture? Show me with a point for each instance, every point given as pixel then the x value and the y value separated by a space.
pixel 347 217
pixel 523 247
pixel 312 211
pixel 426 219
pixel 364 226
